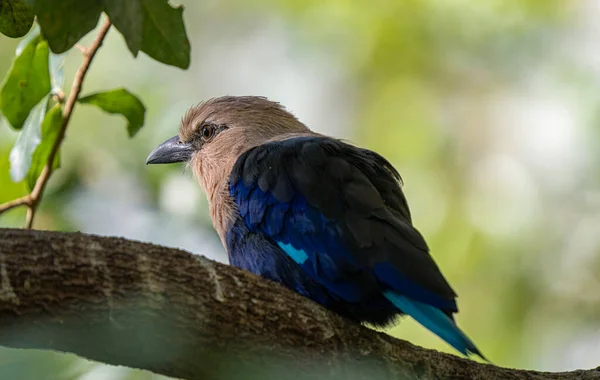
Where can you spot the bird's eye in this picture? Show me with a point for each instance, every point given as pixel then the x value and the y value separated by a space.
pixel 207 132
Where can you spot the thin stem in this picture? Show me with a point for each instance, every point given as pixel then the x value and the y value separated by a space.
pixel 32 200
pixel 81 48
pixel 29 217
pixel 23 201
pixel 59 96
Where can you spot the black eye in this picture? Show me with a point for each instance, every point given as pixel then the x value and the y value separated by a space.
pixel 207 132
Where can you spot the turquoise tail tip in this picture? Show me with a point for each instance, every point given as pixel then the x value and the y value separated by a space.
pixel 436 321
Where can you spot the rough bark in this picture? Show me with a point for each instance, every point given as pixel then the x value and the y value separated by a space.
pixel 139 305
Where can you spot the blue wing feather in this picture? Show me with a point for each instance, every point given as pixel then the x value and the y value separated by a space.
pixel 298 255
pixel 390 275
pixel 303 233
pixel 342 227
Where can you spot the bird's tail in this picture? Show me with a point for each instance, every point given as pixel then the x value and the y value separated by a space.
pixel 436 321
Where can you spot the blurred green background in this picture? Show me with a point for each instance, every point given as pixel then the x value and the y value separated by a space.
pixel 489 110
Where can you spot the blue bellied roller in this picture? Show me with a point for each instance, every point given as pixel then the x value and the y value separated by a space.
pixel 322 217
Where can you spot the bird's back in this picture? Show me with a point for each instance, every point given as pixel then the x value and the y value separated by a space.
pixel 329 220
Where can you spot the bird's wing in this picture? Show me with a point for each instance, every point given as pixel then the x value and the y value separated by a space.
pixel 339 212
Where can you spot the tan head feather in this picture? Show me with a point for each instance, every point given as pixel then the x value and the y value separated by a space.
pixel 241 122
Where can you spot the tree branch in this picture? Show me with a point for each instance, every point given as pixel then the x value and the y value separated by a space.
pixel 33 199
pixel 144 306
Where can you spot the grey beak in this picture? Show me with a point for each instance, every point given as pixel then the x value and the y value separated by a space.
pixel 170 151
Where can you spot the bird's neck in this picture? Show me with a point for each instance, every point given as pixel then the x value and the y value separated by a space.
pixel 213 176
pixel 221 206
pixel 222 212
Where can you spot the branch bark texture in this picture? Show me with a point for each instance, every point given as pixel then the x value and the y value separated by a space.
pixel 139 305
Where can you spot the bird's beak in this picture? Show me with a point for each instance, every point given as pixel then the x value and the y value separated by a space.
pixel 170 151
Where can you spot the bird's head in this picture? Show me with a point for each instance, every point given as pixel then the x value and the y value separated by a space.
pixel 214 133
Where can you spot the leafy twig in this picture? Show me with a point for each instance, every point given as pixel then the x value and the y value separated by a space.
pixel 32 200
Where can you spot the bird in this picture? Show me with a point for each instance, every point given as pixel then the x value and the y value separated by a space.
pixel 317 214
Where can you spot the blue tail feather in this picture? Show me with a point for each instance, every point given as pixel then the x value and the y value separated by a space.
pixel 435 320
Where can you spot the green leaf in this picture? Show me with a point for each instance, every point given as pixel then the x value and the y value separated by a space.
pixel 50 130
pixel 27 141
pixel 122 102
pixel 64 22
pixel 163 36
pixel 16 18
pixel 27 82
pixel 153 26
pixel 31 35
pixel 127 17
